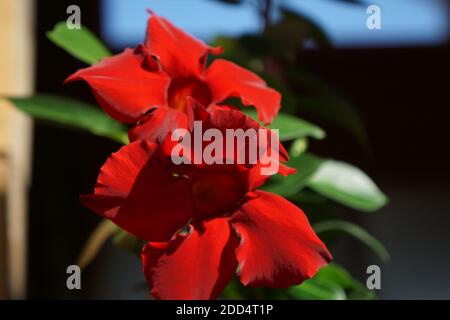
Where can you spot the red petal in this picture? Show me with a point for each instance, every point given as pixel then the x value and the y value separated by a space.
pixel 278 247
pixel 223 117
pixel 285 170
pixel 123 88
pixel 156 125
pixel 194 266
pixel 257 175
pixel 137 190
pixel 180 54
pixel 226 79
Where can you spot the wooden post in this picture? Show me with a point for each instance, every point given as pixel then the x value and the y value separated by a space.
pixel 16 79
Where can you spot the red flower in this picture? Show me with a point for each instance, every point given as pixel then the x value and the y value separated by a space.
pixel 158 75
pixel 230 223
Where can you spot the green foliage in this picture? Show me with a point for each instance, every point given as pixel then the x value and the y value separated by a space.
pixel 80 43
pixel 306 165
pixel 72 113
pixel 347 185
pixel 331 283
pixel 333 179
pixel 355 231
pixel 291 127
pixel 298 146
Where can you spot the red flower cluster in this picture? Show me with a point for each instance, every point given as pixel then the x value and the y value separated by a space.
pixel 202 222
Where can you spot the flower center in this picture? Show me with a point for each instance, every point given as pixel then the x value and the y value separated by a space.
pixel 181 88
pixel 217 194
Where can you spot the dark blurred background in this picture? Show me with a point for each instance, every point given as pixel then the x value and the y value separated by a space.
pixel 397 78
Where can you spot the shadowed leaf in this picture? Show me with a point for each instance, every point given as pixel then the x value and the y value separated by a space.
pixel 72 113
pixel 291 127
pixel 355 231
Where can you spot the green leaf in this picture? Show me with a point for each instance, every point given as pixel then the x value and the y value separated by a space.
pixel 80 43
pixel 355 231
pixel 339 276
pixel 347 185
pixel 72 113
pixel 291 127
pixel 298 147
pixel 333 179
pixel 314 290
pixel 233 291
pixel 331 283
pixel 306 165
pixel 308 196
pixel 334 273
